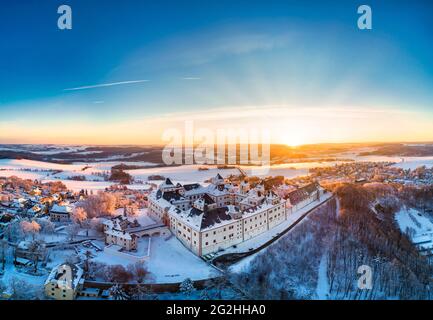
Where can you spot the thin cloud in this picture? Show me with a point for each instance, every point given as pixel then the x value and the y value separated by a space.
pixel 191 78
pixel 102 85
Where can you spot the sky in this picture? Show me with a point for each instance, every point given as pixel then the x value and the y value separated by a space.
pixel 128 71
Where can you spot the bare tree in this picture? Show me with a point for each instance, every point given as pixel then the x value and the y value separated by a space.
pixel 139 271
pixel 30 227
pixel 72 231
pixel 79 215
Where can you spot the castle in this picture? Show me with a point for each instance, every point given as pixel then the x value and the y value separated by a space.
pixel 207 219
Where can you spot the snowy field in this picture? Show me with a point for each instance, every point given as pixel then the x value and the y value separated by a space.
pixel 169 262
pixel 23 174
pixel 420 226
pixel 30 169
pixel 288 170
pixel 412 218
pixel 46 172
pixel 415 162
pixel 401 162
pixel 182 174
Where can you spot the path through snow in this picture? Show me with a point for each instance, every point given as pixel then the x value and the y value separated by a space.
pixel 322 289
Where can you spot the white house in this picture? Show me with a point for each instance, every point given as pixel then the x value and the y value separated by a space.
pixel 60 213
pixel 64 282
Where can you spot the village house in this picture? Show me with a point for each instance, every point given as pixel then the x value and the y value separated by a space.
pixel 117 232
pixel 60 213
pixel 124 239
pixel 29 252
pixel 303 196
pixel 64 282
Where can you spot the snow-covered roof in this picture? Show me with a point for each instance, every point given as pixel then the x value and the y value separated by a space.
pixel 65 275
pixel 120 234
pixel 61 209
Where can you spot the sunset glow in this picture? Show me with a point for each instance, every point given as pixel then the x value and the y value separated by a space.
pixel 305 83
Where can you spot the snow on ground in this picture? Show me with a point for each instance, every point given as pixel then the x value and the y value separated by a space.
pixel 12 272
pixel 182 174
pixel 169 262
pixel 421 225
pixel 401 162
pixel 55 257
pixel 288 170
pixel 36 165
pixel 144 219
pixel 322 289
pixel 89 170
pixel 43 149
pixel 106 165
pixel 412 218
pixel 23 174
pixel 82 185
pixel 414 162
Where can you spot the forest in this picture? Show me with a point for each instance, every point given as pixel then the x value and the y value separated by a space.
pixel 357 228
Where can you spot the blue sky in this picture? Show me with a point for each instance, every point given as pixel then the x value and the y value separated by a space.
pixel 171 58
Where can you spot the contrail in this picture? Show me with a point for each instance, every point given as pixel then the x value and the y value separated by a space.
pixel 105 85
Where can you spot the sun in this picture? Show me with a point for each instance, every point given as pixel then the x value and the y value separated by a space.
pixel 293 141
